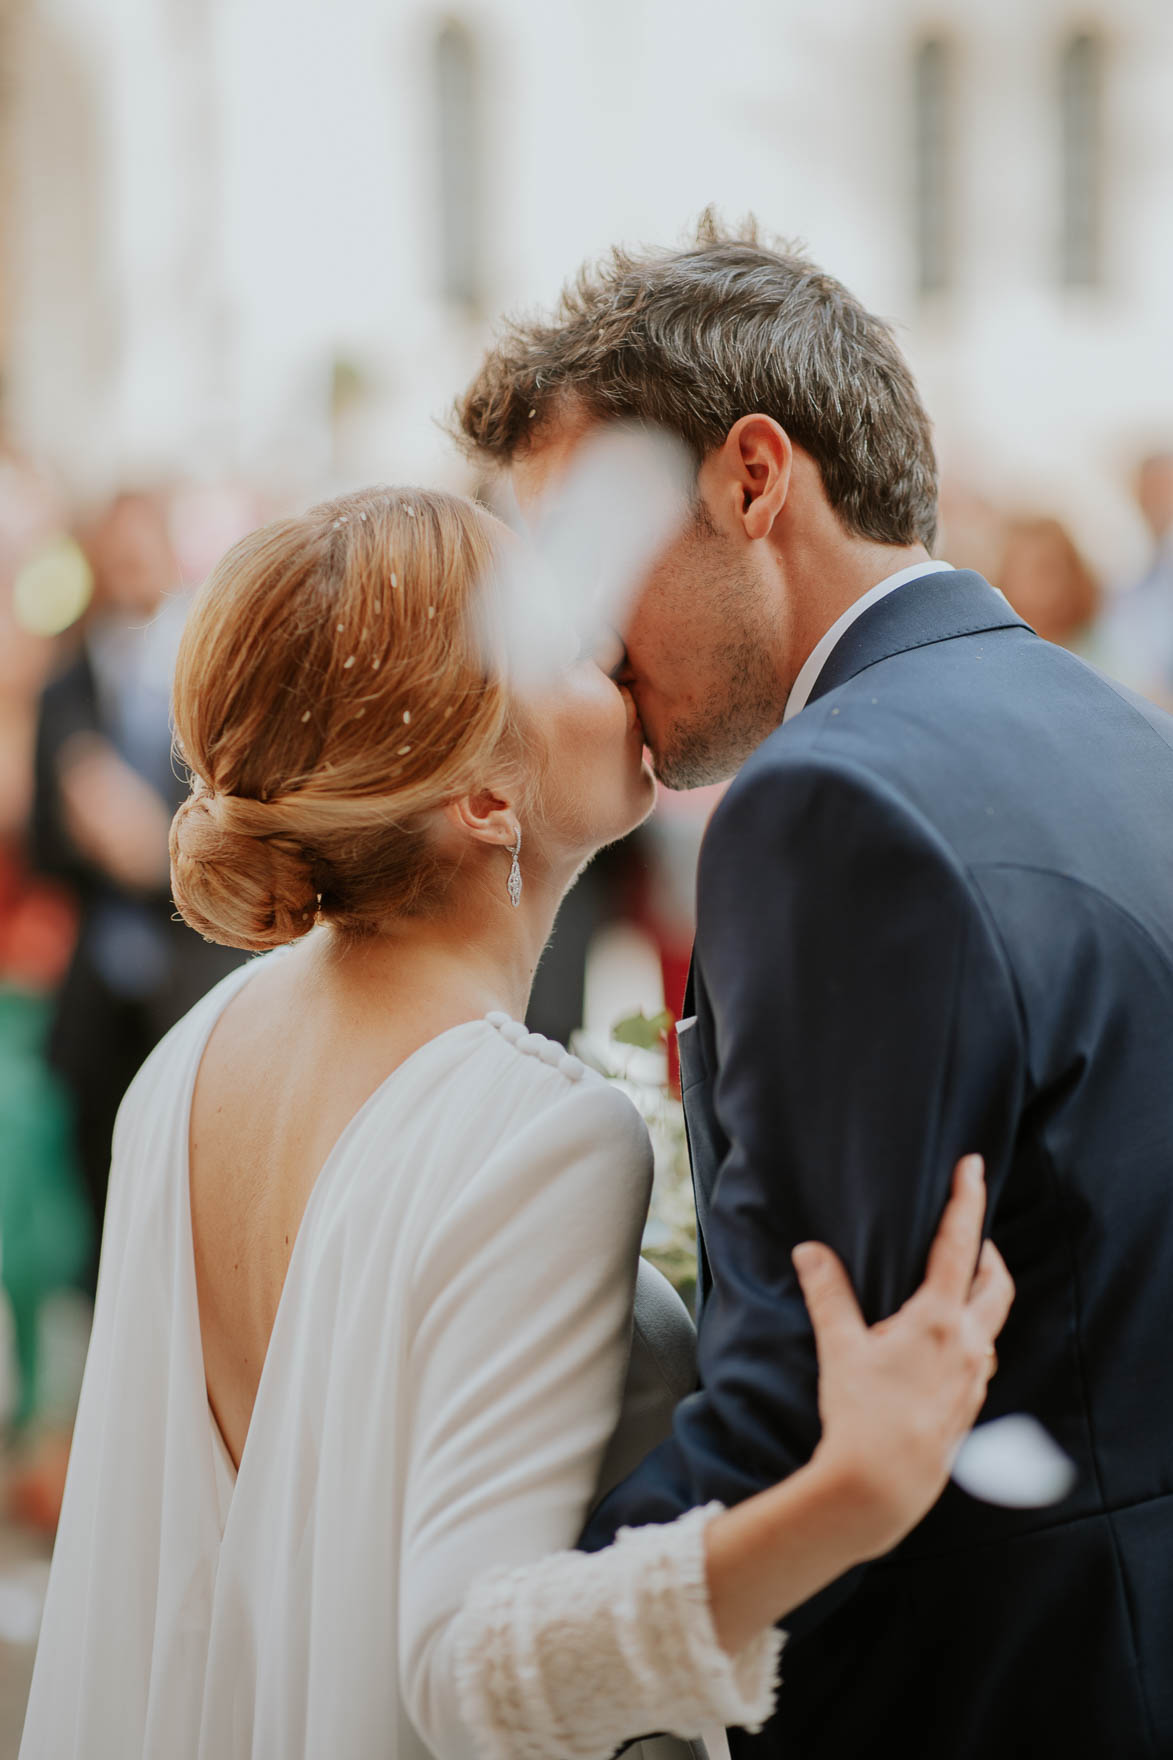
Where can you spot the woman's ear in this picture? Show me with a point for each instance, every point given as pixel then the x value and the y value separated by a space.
pixel 485 817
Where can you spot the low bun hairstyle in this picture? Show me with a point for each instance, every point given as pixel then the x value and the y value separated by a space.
pixel 243 886
pixel 331 689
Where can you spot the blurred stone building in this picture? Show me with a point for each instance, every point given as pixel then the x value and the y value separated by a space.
pixel 263 238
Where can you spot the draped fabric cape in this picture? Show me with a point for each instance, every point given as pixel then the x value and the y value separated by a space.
pixel 444 1372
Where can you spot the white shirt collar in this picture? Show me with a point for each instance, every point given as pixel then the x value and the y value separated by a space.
pixel 808 677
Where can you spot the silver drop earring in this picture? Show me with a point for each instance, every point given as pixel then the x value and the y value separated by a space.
pixel 514 882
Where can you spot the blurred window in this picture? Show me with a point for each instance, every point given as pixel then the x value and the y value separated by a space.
pixel 1081 80
pixel 457 95
pixel 932 170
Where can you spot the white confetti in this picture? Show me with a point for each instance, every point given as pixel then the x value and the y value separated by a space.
pixel 624 498
pixel 347 664
pixel 1013 1462
pixel 407 717
pixel 403 751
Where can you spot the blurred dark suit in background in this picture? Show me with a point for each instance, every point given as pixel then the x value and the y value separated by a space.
pixel 105 789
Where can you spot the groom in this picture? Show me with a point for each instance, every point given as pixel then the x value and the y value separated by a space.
pixel 935 914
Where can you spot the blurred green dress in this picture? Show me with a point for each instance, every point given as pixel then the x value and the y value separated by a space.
pixel 44 1223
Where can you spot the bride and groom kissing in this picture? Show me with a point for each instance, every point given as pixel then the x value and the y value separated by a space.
pixel 370 1252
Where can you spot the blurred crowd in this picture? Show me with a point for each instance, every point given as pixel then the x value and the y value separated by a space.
pixel 94 964
pixel 1125 627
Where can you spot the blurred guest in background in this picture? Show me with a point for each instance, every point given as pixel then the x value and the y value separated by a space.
pixel 44 1223
pixel 1048 582
pixel 1138 632
pixel 1154 495
pixel 45 1230
pixel 972 529
pixel 105 790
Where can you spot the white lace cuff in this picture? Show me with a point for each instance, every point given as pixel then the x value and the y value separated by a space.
pixel 576 1654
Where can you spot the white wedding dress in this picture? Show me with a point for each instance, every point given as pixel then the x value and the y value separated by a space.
pixel 444 1372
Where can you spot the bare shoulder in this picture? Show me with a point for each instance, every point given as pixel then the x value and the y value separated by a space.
pixel 167 1071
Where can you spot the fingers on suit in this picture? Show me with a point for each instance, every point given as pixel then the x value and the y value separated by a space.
pixel 954 1253
pixel 828 1294
pixel 992 1294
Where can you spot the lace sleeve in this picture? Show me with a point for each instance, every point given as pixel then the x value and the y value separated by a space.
pixel 578 1653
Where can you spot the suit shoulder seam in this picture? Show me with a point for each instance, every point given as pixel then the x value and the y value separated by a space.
pixel 1079 884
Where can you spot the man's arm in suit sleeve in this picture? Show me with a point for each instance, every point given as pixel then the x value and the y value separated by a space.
pixel 866 1036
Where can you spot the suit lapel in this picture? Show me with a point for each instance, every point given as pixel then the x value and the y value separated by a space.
pixel 932 608
pixel 699 1125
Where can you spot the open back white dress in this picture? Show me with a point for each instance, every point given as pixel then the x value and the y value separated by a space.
pixel 444 1373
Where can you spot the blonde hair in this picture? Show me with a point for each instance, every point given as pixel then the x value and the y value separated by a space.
pixel 331 688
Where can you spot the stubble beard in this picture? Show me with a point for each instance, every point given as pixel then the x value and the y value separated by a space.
pixel 741 703
pixel 744 709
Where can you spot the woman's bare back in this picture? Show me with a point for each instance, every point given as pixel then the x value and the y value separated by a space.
pixel 290 1061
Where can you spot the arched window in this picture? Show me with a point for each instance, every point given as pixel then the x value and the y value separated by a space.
pixel 457 115
pixel 932 165
pixel 1081 80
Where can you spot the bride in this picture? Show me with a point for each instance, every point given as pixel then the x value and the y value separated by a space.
pixel 365 1302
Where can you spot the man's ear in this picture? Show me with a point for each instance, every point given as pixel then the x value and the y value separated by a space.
pixel 485 817
pixel 745 482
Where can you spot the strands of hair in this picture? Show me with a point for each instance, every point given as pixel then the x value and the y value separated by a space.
pixel 690 340
pixel 307 804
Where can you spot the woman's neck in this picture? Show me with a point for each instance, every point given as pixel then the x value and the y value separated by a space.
pixel 479 954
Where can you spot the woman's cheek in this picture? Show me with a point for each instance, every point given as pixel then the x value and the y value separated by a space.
pixel 597 707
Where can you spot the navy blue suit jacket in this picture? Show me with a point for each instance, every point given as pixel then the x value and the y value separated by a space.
pixel 935 914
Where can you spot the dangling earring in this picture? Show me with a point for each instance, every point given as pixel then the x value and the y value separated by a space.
pixel 514 881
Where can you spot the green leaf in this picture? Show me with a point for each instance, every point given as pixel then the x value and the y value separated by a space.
pixel 638 1029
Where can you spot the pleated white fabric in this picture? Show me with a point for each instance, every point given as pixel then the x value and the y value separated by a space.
pixel 443 1376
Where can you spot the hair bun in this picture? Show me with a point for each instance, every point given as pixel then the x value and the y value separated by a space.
pixel 235 883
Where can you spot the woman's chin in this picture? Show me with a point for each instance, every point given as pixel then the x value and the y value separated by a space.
pixel 647 793
pixel 641 798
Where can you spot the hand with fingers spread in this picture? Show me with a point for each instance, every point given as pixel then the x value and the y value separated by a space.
pixel 896 1399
